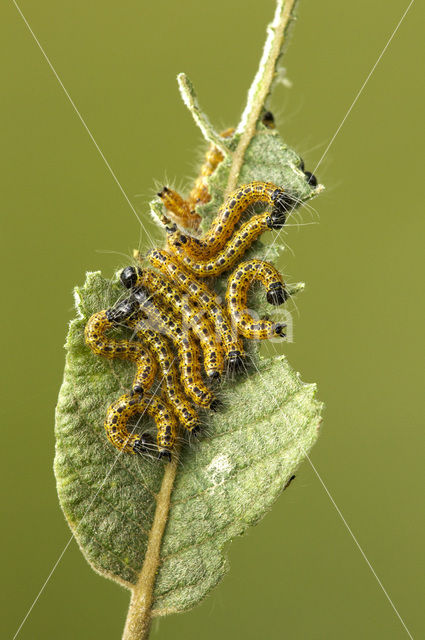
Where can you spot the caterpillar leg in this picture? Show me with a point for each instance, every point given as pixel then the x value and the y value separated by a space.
pixel 191 312
pixel 199 292
pixel 236 298
pixel 171 386
pixel 95 337
pixel 166 321
pixel 229 214
pixel 229 255
pixel 127 406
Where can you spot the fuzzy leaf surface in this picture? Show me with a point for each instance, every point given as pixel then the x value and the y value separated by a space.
pixel 231 476
pixel 226 482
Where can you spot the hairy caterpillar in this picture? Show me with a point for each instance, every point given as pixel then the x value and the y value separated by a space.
pixel 163 319
pixel 183 211
pixel 96 339
pixel 127 406
pixel 191 312
pixel 236 298
pixel 169 265
pixel 229 214
pixel 231 252
pixel 179 317
pixel 171 388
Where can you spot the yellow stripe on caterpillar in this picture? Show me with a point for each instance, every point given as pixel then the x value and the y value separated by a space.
pixel 229 214
pixel 199 292
pixel 236 298
pixel 192 314
pixel 95 337
pixel 171 387
pixel 127 406
pixel 227 257
pixel 163 319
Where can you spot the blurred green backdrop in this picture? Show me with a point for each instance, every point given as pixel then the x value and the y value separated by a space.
pixel 359 334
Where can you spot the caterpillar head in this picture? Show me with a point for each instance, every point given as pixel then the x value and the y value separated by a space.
pixel 130 277
pixel 276 294
pixel 141 295
pixel 282 203
pixel 121 311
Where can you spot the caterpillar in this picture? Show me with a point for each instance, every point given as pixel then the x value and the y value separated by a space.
pixel 165 320
pixel 200 193
pixel 236 298
pixel 229 255
pixel 171 388
pixel 183 211
pixel 127 406
pixel 169 265
pixel 230 213
pixel 171 305
pixel 192 314
pixel 95 338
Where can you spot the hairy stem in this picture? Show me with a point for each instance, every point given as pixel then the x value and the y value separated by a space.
pixel 191 101
pixel 139 615
pixel 261 86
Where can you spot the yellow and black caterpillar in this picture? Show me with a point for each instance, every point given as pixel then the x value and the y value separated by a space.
pixel 180 329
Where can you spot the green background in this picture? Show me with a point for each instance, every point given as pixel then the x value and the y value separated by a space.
pixel 299 573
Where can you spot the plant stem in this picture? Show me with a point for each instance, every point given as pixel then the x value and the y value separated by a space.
pixel 191 101
pixel 139 615
pixel 261 86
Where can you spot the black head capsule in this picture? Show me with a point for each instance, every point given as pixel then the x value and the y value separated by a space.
pixel 141 295
pixel 129 277
pixel 276 294
pixel 170 228
pixel 279 329
pixel 235 361
pixel 121 311
pixel 282 203
pixel 164 454
pixel 268 120
pixel 311 178
pixel 196 431
pixel 143 444
pixel 215 405
pixel 163 192
pixel 137 390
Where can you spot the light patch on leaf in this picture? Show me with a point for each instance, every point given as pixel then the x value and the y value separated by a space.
pixel 219 469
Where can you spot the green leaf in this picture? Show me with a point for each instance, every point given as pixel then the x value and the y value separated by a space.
pixel 161 530
pixel 225 482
